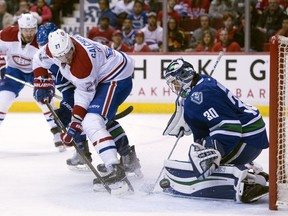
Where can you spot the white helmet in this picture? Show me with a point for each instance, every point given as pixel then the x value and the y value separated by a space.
pixel 27 20
pixel 59 43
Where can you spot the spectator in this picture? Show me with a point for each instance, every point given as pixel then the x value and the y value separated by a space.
pixel 183 7
pixel 205 23
pixel 257 39
pixel 117 43
pixel 284 30
pixel 254 13
pixel 105 10
pixel 219 7
pixel 206 42
pixel 6 19
pixel 24 7
pixel 128 33
pixel 140 45
pixel 176 37
pixel 138 16
pixel 153 33
pixel 271 19
pixel 178 43
pixel 225 44
pixel 123 8
pixel 170 12
pixel 43 10
pixel 228 22
pixel 199 7
pixel 102 33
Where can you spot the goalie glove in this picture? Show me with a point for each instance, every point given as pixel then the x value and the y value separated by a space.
pixel 2 67
pixel 204 160
pixel 177 123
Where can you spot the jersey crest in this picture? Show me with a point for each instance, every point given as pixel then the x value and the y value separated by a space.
pixel 197 97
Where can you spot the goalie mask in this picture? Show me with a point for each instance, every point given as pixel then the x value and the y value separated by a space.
pixel 179 75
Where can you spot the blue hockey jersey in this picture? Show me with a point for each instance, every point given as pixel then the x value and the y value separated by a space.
pixel 210 109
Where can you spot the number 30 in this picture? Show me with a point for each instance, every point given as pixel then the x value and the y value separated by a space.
pixel 210 114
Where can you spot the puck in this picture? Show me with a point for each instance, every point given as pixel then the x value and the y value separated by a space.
pixel 164 183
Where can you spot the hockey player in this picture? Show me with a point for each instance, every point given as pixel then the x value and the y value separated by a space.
pixel 128 155
pixel 226 131
pixel 102 80
pixel 19 45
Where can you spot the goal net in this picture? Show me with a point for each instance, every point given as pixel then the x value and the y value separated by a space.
pixel 278 123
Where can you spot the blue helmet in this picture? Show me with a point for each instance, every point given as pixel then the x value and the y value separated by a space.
pixel 43 32
pixel 179 75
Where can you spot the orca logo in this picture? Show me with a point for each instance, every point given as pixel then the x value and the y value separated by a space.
pixel 197 97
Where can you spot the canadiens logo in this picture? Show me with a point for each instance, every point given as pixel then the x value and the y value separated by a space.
pixel 21 61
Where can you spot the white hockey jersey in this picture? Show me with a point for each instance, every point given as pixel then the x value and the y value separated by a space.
pixel 18 56
pixel 93 63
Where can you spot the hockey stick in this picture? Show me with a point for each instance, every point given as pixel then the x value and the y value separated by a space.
pixel 124 113
pixel 89 164
pixel 27 84
pixel 217 61
pixel 181 133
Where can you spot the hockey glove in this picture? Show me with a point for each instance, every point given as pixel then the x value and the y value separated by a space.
pixel 44 89
pixel 177 123
pixel 204 160
pixel 73 132
pixel 2 67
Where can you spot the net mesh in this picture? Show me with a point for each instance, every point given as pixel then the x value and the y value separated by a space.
pixel 282 152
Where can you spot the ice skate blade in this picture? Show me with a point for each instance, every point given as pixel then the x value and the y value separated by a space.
pixel 79 168
pixel 117 189
pixel 136 174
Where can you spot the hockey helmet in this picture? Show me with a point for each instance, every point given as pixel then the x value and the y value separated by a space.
pixel 179 75
pixel 27 20
pixel 59 43
pixel 43 33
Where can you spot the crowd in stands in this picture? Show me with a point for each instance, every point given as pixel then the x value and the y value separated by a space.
pixel 193 25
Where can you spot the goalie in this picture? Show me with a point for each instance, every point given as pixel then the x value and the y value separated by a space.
pixel 228 134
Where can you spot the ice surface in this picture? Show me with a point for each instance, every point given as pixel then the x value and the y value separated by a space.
pixel 34 178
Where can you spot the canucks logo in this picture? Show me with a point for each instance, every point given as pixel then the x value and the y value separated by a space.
pixel 197 97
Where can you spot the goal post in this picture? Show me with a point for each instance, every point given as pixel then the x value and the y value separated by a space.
pixel 278 123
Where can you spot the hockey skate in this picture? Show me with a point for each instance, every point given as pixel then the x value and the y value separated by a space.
pixel 76 162
pixel 56 131
pixel 253 192
pixel 116 179
pixel 130 162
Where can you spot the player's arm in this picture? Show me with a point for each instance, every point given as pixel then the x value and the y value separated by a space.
pixel 44 88
pixel 177 123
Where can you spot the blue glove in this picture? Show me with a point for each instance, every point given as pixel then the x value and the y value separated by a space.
pixel 73 132
pixel 2 67
pixel 44 89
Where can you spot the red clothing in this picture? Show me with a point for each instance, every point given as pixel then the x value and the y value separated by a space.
pixel 123 47
pixel 44 12
pixel 232 47
pixel 170 14
pixel 200 48
pixel 103 37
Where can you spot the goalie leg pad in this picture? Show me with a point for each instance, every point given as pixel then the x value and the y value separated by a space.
pixel 224 183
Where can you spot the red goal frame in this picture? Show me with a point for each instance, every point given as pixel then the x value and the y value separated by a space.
pixel 273 124
pixel 277 119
